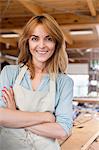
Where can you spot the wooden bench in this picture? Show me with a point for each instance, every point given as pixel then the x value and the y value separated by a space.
pixel 85 127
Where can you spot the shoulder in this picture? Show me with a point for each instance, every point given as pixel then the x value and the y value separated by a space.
pixel 10 69
pixel 64 83
pixel 64 79
pixel 9 73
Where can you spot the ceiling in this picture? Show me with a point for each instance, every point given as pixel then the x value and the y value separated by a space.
pixel 72 15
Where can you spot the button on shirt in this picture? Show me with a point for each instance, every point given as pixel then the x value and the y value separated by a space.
pixel 63 97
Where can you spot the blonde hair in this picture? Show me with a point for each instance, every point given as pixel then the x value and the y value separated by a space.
pixel 59 60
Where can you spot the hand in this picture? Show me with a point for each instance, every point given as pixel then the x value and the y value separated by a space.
pixel 50 117
pixel 8 97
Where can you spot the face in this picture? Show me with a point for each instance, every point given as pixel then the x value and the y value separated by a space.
pixel 41 45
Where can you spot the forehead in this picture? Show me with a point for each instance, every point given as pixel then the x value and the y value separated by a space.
pixel 40 30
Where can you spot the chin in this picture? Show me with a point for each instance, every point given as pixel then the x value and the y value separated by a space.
pixel 43 60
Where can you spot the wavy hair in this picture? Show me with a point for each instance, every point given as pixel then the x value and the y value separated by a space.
pixel 57 63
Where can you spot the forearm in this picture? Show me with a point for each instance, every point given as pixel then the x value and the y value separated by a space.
pixel 20 119
pixel 51 130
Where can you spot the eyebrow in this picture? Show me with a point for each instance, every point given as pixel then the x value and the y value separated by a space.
pixel 48 36
pixel 33 35
pixel 38 36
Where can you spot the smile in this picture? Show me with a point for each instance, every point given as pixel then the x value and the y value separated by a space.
pixel 41 52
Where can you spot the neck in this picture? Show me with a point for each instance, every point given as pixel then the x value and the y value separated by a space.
pixel 38 70
pixel 39 67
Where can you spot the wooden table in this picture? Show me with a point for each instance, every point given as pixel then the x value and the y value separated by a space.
pixel 94 100
pixel 81 132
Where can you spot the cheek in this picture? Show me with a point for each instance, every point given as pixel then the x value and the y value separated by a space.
pixel 53 50
pixel 52 47
pixel 31 46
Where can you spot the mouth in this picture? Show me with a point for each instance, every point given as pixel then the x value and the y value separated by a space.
pixel 41 52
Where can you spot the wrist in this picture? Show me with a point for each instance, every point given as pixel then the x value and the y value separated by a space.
pixel 49 117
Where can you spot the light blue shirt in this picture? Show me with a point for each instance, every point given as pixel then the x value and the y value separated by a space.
pixel 64 92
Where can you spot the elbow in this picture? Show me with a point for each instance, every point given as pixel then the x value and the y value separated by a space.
pixel 1 116
pixel 65 135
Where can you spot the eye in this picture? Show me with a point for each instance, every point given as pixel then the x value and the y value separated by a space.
pixel 34 38
pixel 49 39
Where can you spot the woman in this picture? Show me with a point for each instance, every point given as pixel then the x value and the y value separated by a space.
pixel 36 94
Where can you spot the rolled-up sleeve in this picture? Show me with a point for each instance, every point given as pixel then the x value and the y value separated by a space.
pixel 63 111
pixel 5 81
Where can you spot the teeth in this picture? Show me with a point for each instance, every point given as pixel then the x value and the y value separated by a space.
pixel 41 52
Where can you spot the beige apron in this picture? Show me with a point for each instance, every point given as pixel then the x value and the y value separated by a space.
pixel 34 101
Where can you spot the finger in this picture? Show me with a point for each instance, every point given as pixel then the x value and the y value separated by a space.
pixel 9 98
pixel 11 90
pixel 4 99
pixel 5 95
pixel 8 93
pixel 8 101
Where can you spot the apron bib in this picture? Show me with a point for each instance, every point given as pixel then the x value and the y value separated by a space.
pixel 33 101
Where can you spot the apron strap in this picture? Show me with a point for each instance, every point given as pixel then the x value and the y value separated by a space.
pixel 53 90
pixel 21 74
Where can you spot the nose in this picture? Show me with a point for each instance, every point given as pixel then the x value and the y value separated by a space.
pixel 41 43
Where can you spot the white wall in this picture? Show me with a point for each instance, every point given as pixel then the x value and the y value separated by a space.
pixel 77 69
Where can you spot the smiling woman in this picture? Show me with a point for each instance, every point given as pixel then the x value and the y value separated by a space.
pixel 37 93
pixel 41 46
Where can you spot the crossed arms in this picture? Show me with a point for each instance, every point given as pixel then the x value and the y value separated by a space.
pixel 40 123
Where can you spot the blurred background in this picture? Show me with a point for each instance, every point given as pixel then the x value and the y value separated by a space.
pixel 79 20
